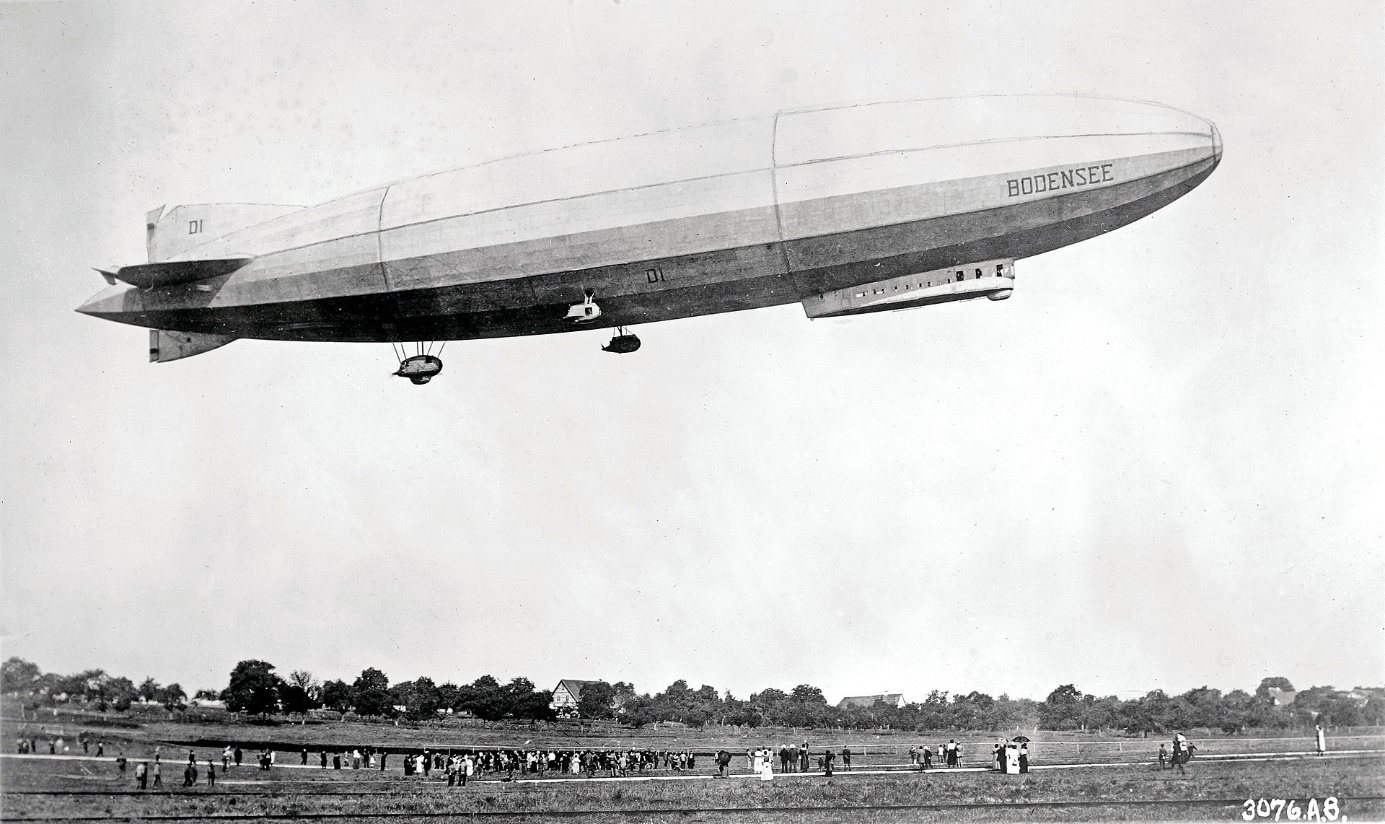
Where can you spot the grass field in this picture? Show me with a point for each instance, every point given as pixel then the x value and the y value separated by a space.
pixel 869 747
pixel 1212 791
pixel 1107 779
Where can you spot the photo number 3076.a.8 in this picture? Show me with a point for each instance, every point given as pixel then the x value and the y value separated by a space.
pixel 1292 809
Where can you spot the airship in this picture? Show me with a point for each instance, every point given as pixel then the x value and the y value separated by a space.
pixel 845 209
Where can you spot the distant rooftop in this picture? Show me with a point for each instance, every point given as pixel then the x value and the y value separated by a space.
pixel 894 699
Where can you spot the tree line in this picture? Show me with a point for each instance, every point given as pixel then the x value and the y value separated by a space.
pixel 254 687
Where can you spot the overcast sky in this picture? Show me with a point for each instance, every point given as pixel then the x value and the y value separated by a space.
pixel 1158 465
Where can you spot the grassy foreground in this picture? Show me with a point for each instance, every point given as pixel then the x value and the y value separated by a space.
pixel 1104 792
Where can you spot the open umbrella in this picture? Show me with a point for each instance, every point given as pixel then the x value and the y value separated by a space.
pixel 1021 739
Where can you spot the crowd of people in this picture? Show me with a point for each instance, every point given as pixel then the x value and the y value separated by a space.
pixel 949 755
pixel 459 765
pixel 29 742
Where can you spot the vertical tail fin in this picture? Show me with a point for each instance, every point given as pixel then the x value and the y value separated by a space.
pixel 173 232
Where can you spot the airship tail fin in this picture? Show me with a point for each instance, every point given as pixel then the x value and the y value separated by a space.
pixel 165 346
pixel 183 228
pixel 173 272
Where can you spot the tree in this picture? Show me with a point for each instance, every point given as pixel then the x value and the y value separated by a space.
pixel 172 697
pixel 149 690
pixel 18 675
pixel 1208 708
pixel 448 695
pixel 484 698
pixel 768 705
pixel 120 692
pixel 523 701
pixel 418 698
pixel 206 695
pixel 305 681
pixel 598 700
pixel 623 693
pixel 1148 714
pixel 1062 709
pixel 372 693
pixel 254 688
pixel 338 695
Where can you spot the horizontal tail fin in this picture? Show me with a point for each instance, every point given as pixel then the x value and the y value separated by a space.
pixel 165 346
pixel 172 272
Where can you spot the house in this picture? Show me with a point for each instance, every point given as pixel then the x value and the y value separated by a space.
pixel 894 699
pixel 1281 698
pixel 566 695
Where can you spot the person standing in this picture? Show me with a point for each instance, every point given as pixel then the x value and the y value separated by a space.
pixel 211 773
pixel 1024 756
pixel 846 758
pixel 803 757
pixel 723 762
pixel 141 774
pixel 927 757
pixel 1163 756
pixel 303 757
pixel 1321 739
pixel 322 760
pixel 226 758
pixel 100 748
pixel 238 756
pixel 827 759
pixel 158 772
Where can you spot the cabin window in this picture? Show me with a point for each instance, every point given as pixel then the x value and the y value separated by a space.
pixel 978 273
pixel 999 269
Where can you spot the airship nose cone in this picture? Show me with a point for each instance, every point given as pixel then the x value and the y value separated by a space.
pixel 1216 143
pixel 110 303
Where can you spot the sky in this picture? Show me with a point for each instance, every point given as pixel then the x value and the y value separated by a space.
pixel 1158 465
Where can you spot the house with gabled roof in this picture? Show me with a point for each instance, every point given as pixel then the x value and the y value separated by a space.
pixel 566 695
